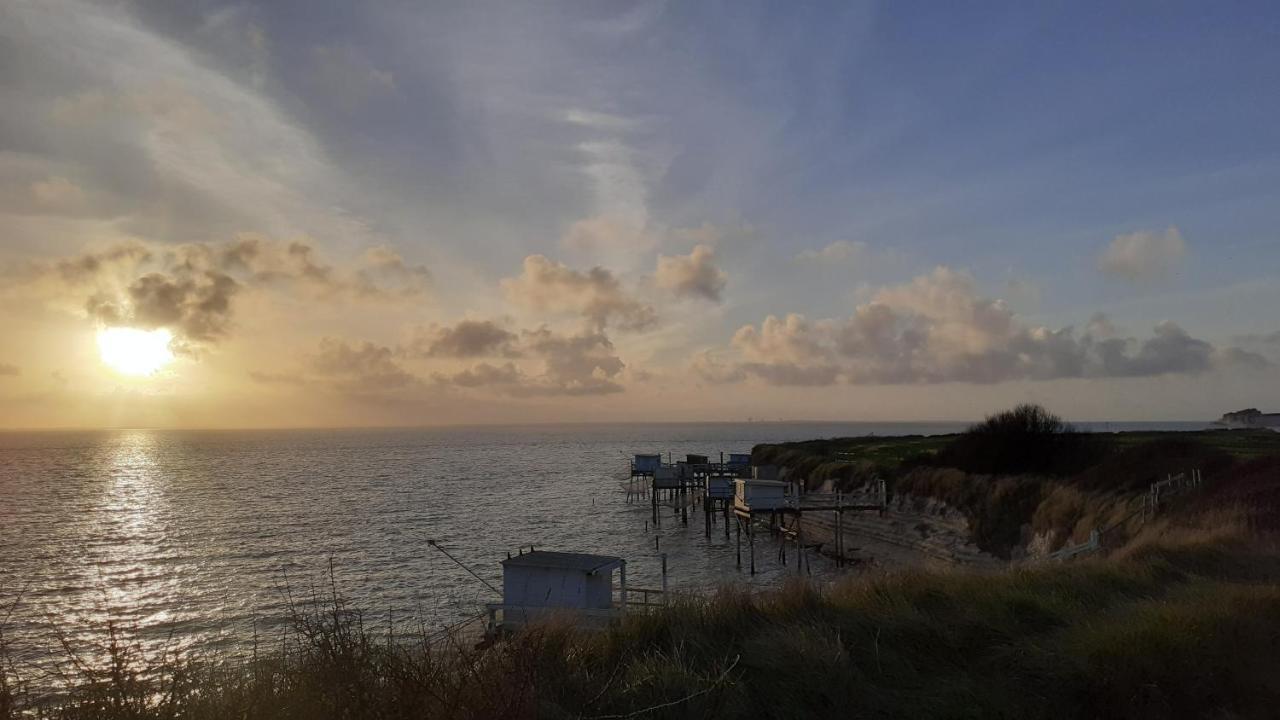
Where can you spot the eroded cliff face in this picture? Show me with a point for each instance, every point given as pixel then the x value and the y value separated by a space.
pixel 912 532
pixel 943 516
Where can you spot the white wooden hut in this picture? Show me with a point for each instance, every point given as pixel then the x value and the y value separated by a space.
pixel 756 495
pixel 538 583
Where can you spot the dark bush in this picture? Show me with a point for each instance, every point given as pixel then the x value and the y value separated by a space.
pixel 1025 440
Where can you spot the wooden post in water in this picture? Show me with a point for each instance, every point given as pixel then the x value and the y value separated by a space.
pixel 684 502
pixel 665 597
pixel 751 541
pixel 738 524
pixel 782 548
pixel 653 498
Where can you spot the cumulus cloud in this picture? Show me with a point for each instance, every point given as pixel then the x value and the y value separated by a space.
pixel 362 367
pixel 565 364
pixel 9 370
pixel 195 305
pixel 1143 255
pixel 380 273
pixel 709 366
pixel 190 288
pixel 938 328
pixel 692 275
pixel 581 364
pixel 506 376
pixel 466 339
pixel 596 294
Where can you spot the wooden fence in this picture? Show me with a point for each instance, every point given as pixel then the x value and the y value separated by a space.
pixel 1148 506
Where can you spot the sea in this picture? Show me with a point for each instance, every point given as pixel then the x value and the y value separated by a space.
pixel 200 541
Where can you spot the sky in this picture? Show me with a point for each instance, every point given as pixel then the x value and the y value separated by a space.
pixel 418 213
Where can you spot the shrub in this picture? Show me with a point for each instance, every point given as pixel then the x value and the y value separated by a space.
pixel 1025 440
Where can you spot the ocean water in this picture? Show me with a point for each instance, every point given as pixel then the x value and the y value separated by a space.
pixel 194 539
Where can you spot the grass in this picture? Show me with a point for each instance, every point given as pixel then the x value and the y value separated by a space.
pixel 1184 623
pixel 992 473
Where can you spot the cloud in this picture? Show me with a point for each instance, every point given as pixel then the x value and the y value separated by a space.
pixel 937 328
pixel 167 136
pixel 1271 338
pixel 506 376
pixel 692 275
pixel 466 339
pixel 361 367
pixel 9 370
pixel 597 295
pixel 581 364
pixel 607 233
pixel 380 273
pixel 1143 255
pixel 574 365
pixel 709 366
pixel 57 193
pixel 191 288
pixel 273 378
pixel 195 305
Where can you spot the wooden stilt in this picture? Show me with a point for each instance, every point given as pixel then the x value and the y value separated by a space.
pixel 739 526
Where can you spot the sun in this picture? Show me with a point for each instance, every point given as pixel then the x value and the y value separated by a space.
pixel 135 352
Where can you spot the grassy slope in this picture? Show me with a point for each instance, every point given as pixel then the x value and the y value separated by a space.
pixel 1002 509
pixel 838 456
pixel 1186 626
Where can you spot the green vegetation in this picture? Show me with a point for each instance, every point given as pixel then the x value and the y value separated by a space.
pixel 1024 472
pixel 1025 440
pixel 848 460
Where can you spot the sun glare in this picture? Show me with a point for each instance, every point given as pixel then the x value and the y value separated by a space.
pixel 135 352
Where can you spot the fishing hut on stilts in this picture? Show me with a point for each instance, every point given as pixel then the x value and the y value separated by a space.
pixel 784 506
pixel 671 484
pixel 718 488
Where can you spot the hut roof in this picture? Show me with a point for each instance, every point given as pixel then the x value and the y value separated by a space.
pixel 582 562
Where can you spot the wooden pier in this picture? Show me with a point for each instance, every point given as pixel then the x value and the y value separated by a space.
pixel 747 493
pixel 756 498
